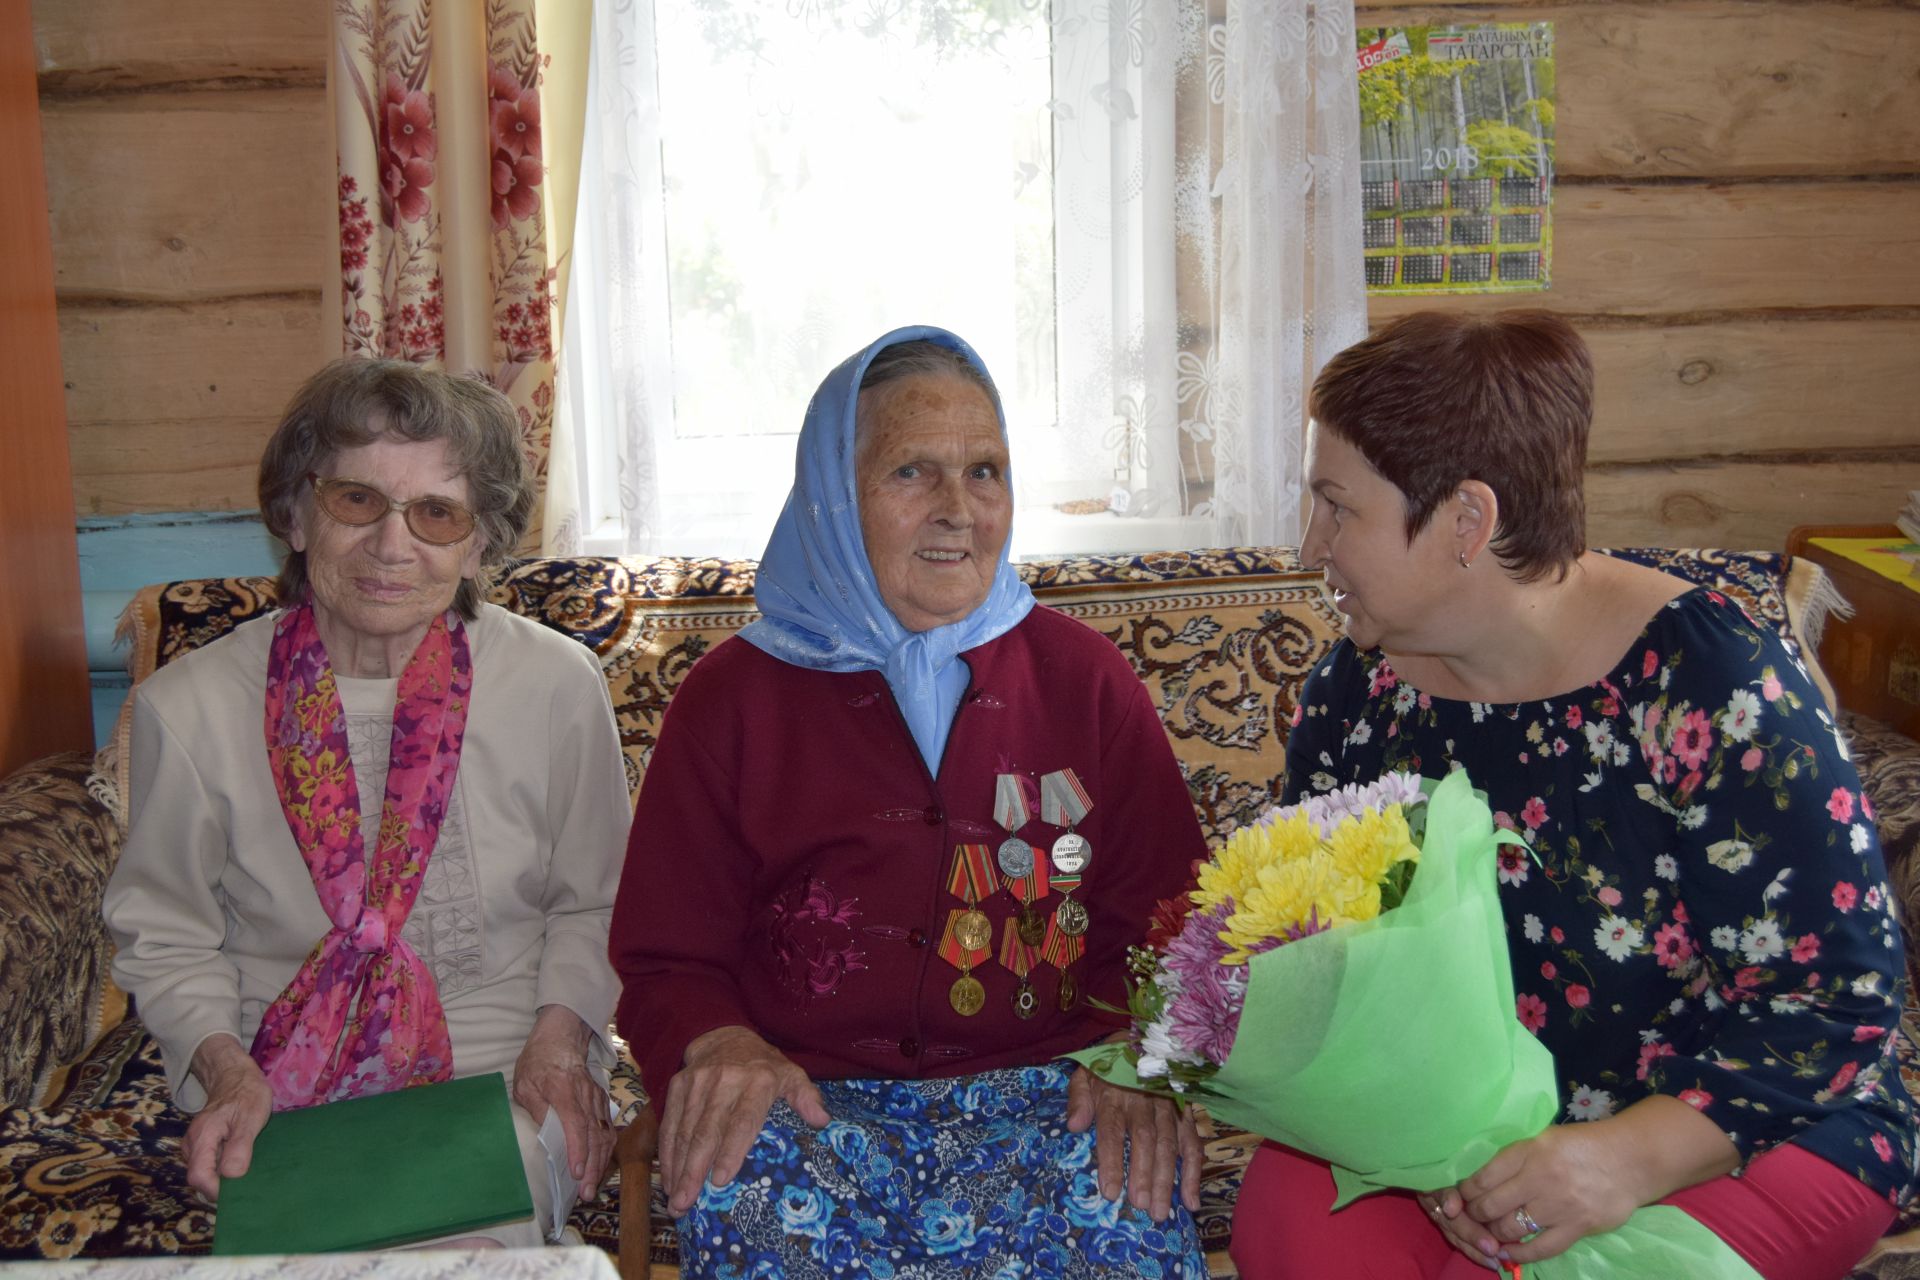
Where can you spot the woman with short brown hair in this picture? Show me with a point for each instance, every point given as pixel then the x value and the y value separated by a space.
pixel 1705 940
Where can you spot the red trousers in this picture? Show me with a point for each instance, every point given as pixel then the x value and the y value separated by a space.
pixel 1792 1215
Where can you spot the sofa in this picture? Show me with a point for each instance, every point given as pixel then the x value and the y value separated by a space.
pixel 89 1140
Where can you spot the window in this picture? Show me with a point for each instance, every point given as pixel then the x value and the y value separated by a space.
pixel 769 186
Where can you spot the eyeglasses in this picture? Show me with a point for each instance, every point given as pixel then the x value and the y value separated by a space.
pixel 440 521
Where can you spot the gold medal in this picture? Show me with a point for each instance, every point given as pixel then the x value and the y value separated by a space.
pixel 967 996
pixel 1072 917
pixel 1025 1002
pixel 1069 993
pixel 972 930
pixel 1031 925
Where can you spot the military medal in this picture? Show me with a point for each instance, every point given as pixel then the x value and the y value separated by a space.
pixel 1019 956
pixel 1011 811
pixel 966 995
pixel 1028 920
pixel 1060 950
pixel 1065 803
pixel 973 930
pixel 968 940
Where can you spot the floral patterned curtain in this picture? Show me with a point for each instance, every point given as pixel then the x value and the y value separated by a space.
pixel 455 198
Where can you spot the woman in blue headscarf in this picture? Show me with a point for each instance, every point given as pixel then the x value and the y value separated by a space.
pixel 894 842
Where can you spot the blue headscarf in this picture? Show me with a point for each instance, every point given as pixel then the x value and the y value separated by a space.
pixel 820 603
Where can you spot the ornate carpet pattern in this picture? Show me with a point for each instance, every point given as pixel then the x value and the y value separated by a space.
pixel 1222 639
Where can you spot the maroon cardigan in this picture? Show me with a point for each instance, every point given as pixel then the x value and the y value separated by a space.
pixel 788 864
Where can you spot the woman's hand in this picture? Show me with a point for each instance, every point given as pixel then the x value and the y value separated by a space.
pixel 1577 1180
pixel 1448 1212
pixel 716 1106
pixel 219 1142
pixel 1160 1138
pixel 552 1072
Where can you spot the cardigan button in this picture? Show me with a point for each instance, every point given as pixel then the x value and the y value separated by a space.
pixel 909 1047
pixel 916 937
pixel 932 816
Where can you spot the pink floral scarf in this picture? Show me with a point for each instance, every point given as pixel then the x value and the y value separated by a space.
pixel 363 1015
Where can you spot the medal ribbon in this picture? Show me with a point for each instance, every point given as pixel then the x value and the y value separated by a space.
pixel 971 879
pixel 956 955
pixel 1063 801
pixel 1010 807
pixel 1015 954
pixel 1031 887
pixel 1064 881
pixel 1061 948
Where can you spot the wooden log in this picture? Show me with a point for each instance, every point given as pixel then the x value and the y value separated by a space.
pixel 223 362
pixel 176 464
pixel 1745 505
pixel 1686 247
pixel 169 405
pixel 165 197
pixel 1749 385
pixel 1714 88
pixel 95 45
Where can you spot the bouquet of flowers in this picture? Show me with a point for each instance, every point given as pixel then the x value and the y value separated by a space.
pixel 1339 982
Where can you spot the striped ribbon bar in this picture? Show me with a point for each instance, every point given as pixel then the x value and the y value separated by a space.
pixel 1065 881
pixel 1010 806
pixel 1015 954
pixel 1063 801
pixel 972 878
pixel 1030 888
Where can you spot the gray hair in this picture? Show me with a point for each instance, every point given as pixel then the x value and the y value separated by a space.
pixel 355 401
pixel 919 358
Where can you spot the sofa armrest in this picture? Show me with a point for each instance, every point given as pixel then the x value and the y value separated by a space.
pixel 57 847
pixel 1889 765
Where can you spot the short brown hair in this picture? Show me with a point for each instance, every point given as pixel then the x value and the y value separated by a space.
pixel 354 401
pixel 1505 398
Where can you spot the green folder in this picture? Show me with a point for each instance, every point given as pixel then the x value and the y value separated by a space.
pixel 372 1173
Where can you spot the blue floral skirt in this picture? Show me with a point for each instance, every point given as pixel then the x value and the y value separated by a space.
pixel 973 1176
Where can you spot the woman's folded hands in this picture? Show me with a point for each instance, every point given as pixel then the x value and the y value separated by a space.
pixel 717 1104
pixel 552 1072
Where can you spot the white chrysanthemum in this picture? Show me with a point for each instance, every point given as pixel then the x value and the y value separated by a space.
pixel 1666 867
pixel 1726 937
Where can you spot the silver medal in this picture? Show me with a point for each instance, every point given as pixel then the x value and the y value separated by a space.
pixel 1016 858
pixel 1071 852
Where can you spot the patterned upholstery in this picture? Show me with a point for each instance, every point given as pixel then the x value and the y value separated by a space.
pixel 1222 640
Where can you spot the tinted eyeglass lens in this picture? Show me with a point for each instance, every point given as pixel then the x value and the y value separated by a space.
pixel 432 520
pixel 438 521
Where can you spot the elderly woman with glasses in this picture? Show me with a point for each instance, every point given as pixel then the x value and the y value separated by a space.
pixel 387 788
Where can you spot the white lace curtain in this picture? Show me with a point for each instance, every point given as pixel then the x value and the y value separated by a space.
pixel 1206 261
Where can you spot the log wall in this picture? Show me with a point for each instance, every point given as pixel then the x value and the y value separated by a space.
pixel 1737 232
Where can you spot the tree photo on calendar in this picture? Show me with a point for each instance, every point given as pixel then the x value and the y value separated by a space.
pixel 1456 157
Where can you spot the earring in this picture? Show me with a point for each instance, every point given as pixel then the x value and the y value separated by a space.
pixel 1463 561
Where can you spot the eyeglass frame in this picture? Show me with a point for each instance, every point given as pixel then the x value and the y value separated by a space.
pixel 404 508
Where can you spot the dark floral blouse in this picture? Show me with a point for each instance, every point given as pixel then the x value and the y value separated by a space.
pixel 1708 915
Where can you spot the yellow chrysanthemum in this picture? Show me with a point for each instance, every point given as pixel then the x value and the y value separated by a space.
pixel 1366 848
pixel 1283 897
pixel 1235 869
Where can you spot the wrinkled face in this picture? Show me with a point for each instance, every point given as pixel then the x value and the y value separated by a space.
pixel 1390 591
pixel 378 580
pixel 931 475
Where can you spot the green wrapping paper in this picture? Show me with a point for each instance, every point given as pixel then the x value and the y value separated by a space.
pixel 1390 1049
